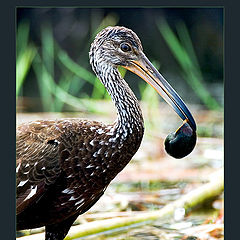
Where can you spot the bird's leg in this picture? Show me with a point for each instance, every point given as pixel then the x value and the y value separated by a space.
pixel 58 231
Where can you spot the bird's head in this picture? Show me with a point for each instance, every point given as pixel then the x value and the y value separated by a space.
pixel 117 46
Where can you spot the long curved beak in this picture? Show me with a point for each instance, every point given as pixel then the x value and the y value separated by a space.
pixel 144 69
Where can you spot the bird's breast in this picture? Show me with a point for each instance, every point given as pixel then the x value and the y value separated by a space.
pixel 89 163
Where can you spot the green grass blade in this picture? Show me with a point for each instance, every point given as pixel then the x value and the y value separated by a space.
pixel 69 68
pixel 25 53
pixel 60 93
pixel 74 67
pixel 22 37
pixel 64 83
pixel 98 89
pixel 76 85
pixel 48 60
pixel 186 42
pixel 23 64
pixel 191 71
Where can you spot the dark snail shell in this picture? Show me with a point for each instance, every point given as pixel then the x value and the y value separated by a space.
pixel 180 143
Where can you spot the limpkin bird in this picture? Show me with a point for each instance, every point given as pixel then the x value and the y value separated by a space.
pixel 64 166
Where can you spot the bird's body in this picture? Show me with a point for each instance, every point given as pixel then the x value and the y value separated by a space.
pixel 81 158
pixel 65 165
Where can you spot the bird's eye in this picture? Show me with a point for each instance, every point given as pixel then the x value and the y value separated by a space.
pixel 125 47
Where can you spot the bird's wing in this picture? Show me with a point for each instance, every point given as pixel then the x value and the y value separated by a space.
pixel 38 163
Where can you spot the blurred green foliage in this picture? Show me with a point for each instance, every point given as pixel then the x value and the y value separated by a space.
pixel 25 52
pixel 67 87
pixel 73 76
pixel 183 51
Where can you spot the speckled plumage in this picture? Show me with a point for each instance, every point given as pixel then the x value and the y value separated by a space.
pixel 64 166
pixel 70 163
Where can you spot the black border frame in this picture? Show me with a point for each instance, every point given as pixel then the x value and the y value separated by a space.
pixel 8 101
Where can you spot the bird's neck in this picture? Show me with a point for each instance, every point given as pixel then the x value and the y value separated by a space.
pixel 130 119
